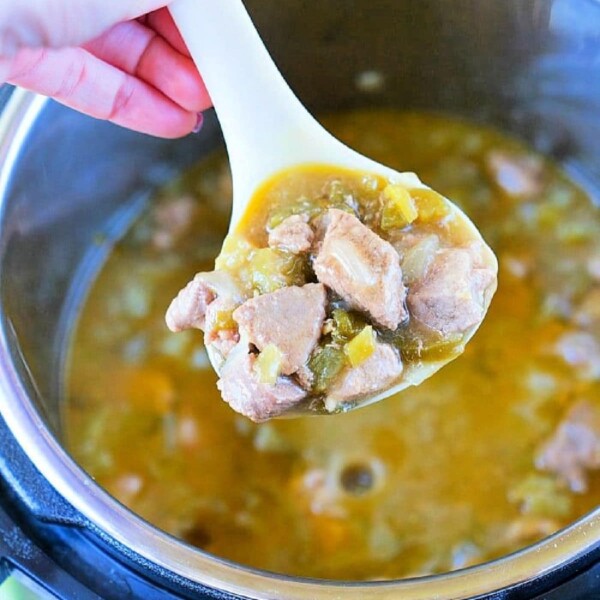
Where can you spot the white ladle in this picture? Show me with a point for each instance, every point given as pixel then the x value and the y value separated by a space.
pixel 266 128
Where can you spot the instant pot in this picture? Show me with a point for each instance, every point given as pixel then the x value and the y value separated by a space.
pixel 531 67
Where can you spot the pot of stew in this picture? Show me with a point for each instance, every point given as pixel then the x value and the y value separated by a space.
pixel 482 482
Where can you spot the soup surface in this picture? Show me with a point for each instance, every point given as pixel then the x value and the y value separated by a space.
pixel 478 461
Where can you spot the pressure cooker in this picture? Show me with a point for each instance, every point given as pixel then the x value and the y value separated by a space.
pixel 530 67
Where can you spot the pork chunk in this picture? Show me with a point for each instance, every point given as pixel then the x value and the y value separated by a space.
pixel 290 318
pixel 173 220
pixel 574 447
pixel 188 309
pixel 451 297
pixel 242 390
pixel 202 303
pixel 305 377
pixel 293 234
pixel 593 267
pixel 517 176
pixel 375 374
pixel 581 350
pixel 362 268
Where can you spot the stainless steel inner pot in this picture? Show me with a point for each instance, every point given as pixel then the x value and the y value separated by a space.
pixel 528 66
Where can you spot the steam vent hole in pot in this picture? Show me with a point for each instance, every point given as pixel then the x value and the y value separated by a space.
pixel 472 465
pixel 357 479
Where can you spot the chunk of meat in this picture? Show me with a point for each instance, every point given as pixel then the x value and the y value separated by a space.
pixel 317 491
pixel 373 375
pixel 293 234
pixel 574 447
pixel 291 318
pixel 202 304
pixel 242 390
pixel 517 176
pixel 126 487
pixel 224 341
pixel 452 296
pixel 582 350
pixel 362 268
pixel 517 266
pixel 188 308
pixel 593 267
pixel 173 219
pixel 305 377
pixel 588 311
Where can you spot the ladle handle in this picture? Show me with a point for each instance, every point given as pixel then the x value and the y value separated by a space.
pixel 266 128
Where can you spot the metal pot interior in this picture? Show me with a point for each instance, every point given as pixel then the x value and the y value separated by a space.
pixel 526 67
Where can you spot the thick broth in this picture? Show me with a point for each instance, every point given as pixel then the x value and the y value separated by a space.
pixel 439 478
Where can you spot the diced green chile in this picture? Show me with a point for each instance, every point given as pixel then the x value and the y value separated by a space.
pixel 302 206
pixel 346 325
pixel 274 269
pixel 414 346
pixel 325 366
pixel 335 197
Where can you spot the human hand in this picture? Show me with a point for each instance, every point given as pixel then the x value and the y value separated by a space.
pixel 119 60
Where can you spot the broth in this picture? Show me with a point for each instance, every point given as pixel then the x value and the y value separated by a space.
pixel 441 477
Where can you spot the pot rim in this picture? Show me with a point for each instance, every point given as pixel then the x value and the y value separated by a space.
pixel 122 525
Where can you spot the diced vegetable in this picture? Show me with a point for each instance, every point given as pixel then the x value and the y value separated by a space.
pixel 135 301
pixel 326 365
pixel 415 346
pixel 235 253
pixel 336 192
pixel 224 320
pixel 268 364
pixel 302 206
pixel 399 209
pixel 339 196
pixel 346 325
pixel 273 269
pixel 277 217
pixel 268 439
pixel 370 183
pixel 335 195
pixel 431 206
pixel 416 260
pixel 384 542
pixel 361 346
pixel 574 233
pixel 541 496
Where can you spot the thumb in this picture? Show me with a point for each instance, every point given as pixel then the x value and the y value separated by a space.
pixel 57 23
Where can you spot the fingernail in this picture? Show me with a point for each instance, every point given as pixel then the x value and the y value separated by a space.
pixel 199 123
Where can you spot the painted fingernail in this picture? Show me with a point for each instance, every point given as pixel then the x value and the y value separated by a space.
pixel 199 123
